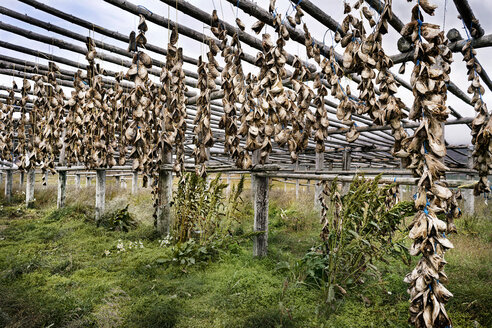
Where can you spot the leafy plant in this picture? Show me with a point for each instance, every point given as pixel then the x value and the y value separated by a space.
pixel 119 220
pixel 360 232
pixel 200 209
pixel 203 218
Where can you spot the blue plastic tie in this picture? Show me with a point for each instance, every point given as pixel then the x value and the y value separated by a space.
pixel 140 6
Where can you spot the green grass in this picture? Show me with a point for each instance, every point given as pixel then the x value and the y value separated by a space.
pixel 54 273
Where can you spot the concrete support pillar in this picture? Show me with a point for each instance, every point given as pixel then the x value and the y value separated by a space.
pixel 62 188
pixel 260 198
pixel 88 180
pixel 134 182
pixel 77 181
pixel 9 181
pixel 31 178
pixel 100 194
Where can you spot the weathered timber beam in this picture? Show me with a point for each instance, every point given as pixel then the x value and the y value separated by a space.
pixel 79 37
pixel 99 29
pixel 464 120
pixel 469 18
pixel 164 22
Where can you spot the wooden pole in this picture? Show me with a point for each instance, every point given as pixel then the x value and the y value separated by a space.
pixel 31 176
pixel 118 181
pixel 260 192
pixel 134 182
pixel 21 179
pixel 163 220
pixel 285 185
pixel 318 189
pixel 46 178
pixel 62 187
pixel 8 185
pixel 468 195
pixel 87 181
pixel 297 181
pixel 100 193
pixel 228 189
pixel 77 181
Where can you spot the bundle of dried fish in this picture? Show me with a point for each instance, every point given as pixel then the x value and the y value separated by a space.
pixel 52 123
pixel 302 117
pixel 321 122
pixel 425 150
pixel 359 56
pixel 481 125
pixel 232 83
pixel 98 118
pixel 7 126
pixel 177 99
pixel 202 137
pixel 74 121
pixel 389 106
pixel 24 148
pixel 272 98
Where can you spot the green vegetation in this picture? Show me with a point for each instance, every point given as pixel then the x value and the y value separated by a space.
pixel 57 269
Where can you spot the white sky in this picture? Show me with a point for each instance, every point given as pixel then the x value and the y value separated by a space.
pixel 108 16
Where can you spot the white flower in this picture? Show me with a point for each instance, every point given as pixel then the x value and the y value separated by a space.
pixel 107 252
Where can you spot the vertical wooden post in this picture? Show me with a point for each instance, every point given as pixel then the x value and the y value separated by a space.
pixel 285 185
pixel 318 189
pixel 100 193
pixel 77 180
pixel 118 181
pixel 46 178
pixel 62 187
pixel 9 180
pixel 346 162
pixel 123 183
pixel 31 177
pixel 1 178
pixel 87 180
pixel 260 192
pixel 21 179
pixel 228 189
pixel 134 182
pixel 297 180
pixel 468 195
pixel 163 223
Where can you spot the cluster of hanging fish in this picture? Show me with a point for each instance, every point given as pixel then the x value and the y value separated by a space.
pixel 481 125
pixel 36 137
pixel 202 132
pixel 424 152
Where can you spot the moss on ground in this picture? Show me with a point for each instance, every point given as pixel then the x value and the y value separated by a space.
pixel 58 270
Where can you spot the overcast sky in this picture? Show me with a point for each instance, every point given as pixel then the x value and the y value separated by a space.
pixel 108 16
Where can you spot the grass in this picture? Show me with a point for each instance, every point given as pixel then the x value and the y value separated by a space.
pixel 54 272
